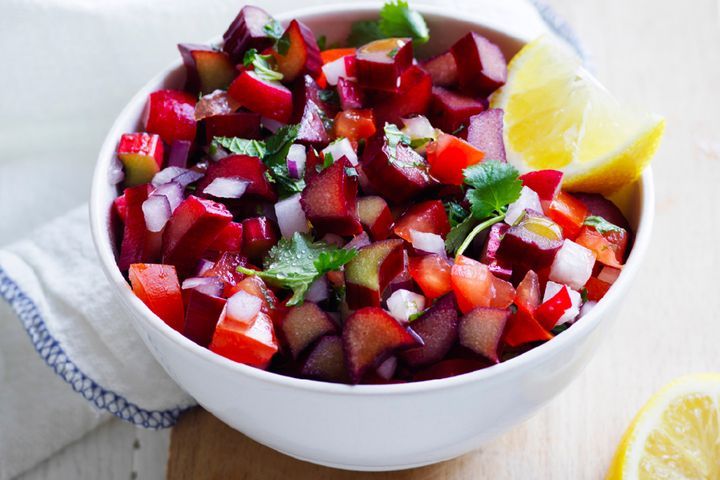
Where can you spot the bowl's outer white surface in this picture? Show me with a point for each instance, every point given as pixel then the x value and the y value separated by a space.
pixel 366 427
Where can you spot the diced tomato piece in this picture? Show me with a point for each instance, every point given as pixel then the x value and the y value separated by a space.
pixel 426 217
pixel 229 239
pixel 471 282
pixel 618 241
pixel 159 288
pixel 432 274
pixel 528 293
pixel 568 212
pixel 550 311
pixel 254 345
pixel 355 125
pixel 524 328
pixel 503 293
pixel 449 156
pixel 596 289
pixel 604 251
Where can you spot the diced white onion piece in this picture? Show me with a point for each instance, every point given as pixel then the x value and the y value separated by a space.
pixel 418 128
pixel 528 200
pixel 359 241
pixel 332 239
pixel 207 285
pixel 243 307
pixel 156 210
pixel 335 70
pixel 387 368
pixel 116 174
pixel 552 288
pixel 226 187
pixel 172 191
pixel 291 217
pixel 270 124
pixel 609 274
pixel 587 306
pixel 318 290
pixel 296 160
pixel 404 303
pixel 572 265
pixel 342 148
pixel 428 242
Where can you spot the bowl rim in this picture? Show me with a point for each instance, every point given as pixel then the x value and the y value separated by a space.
pixel 584 326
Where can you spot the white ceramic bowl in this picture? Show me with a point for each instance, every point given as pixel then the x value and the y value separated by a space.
pixel 366 427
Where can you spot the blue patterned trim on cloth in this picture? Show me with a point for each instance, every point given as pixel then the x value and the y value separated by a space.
pixel 55 357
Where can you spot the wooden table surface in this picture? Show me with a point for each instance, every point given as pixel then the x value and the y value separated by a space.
pixel 661 55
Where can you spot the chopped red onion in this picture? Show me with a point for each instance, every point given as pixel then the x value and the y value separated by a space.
pixel 428 242
pixel 404 303
pixel 359 241
pixel 188 177
pixel 203 266
pixel 291 217
pixel 116 174
pixel 183 176
pixel 342 148
pixel 573 265
pixel 387 368
pixel 318 291
pixel 207 285
pixel 172 191
pixel 157 211
pixel 296 160
pixel 227 187
pixel 243 307
pixel 270 124
pixel 418 128
pixel 179 153
pixel 528 200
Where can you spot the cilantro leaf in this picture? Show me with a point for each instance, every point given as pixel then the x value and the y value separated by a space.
pixel 261 65
pixel 273 29
pixel 364 32
pixel 322 42
pixel 456 213
pixel 278 147
pixel 297 262
pixel 241 146
pixel 394 138
pixel 601 225
pixel 397 19
pixel 459 233
pixel 495 185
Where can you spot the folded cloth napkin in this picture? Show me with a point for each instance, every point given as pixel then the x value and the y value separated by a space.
pixel 56 294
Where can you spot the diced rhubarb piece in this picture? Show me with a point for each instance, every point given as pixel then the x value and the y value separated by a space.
pixel 481 64
pixel 528 292
pixel 449 156
pixel 567 314
pixel 206 69
pixel 375 216
pixel 171 114
pixel 498 267
pixel 600 206
pixel 451 110
pixel 202 316
pixel 229 239
pixel 159 288
pixel 237 124
pixel 252 345
pixel 472 283
pixel 438 329
pixel 428 216
pixel 268 98
pixel 136 244
pixel 432 274
pixel 596 289
pixel 120 207
pixel 350 94
pixel 524 328
pixel 442 68
pixel 190 231
pixel 225 269
pixel 247 31
pixel 412 97
pixel 485 132
pixel 546 183
pixel 369 273
pixel 259 235
pixel 380 63
pixel 398 174
pixel 141 155
pixel 371 335
pixel 605 252
pixel 568 212
pixel 304 324
pixel 179 154
pixel 503 293
pixel 481 330
pixel 532 243
pixel 297 52
pixel 309 111
pixel 449 368
pixel 550 311
pixel 355 125
pixel 326 361
pixel 240 167
pixel 572 265
pixel 329 200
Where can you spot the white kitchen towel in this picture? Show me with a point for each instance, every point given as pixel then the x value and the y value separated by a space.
pixel 72 64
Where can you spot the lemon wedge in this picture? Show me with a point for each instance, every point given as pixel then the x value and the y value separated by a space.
pixel 676 435
pixel 558 116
